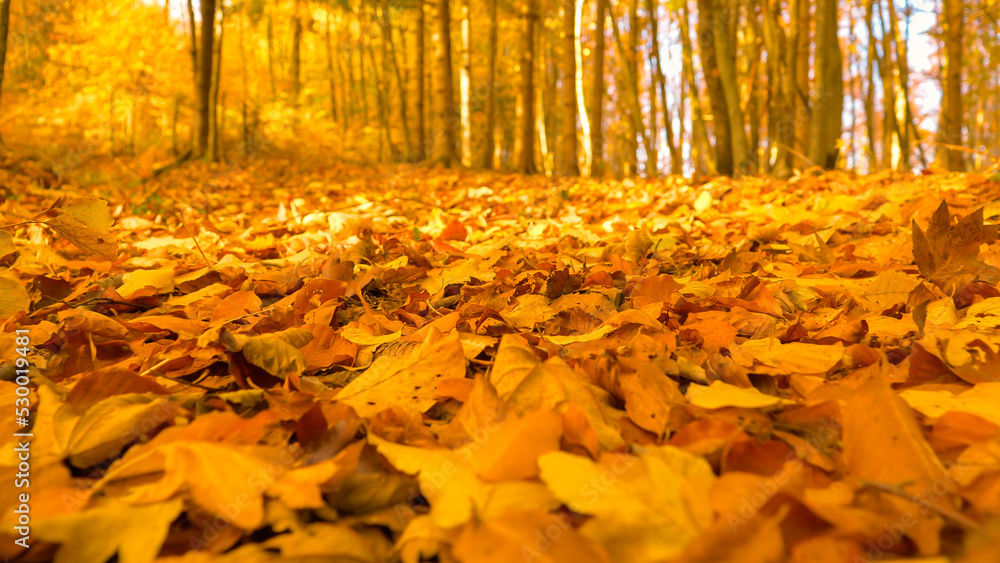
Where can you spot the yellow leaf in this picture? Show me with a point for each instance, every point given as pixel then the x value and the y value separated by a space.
pixel 365 338
pixel 86 223
pixel 981 400
pixel 13 297
pixel 719 395
pixel 645 508
pixel 406 381
pixel 135 533
pixel 161 280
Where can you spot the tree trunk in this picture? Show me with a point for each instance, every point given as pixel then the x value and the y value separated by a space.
pixel 799 57
pixel 421 73
pixel 598 90
pixel 213 113
pixel 329 70
pixel 581 106
pixel 465 82
pixel 950 126
pixel 828 99
pixel 270 56
pixel 630 58
pixel 525 135
pixel 444 96
pixel 780 119
pixel 701 152
pixel 566 160
pixel 870 123
pixel 296 54
pixel 204 98
pixel 725 56
pixel 716 96
pixel 389 53
pixel 676 163
pixel 489 145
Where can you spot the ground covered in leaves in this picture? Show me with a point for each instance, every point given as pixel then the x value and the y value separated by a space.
pixel 320 363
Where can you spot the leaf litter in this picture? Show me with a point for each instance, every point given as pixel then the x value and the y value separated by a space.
pixel 303 362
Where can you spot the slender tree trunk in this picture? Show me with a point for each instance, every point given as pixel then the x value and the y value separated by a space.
pixel 870 123
pixel 780 121
pixel 389 53
pixel 525 135
pixel 598 90
pixel 800 57
pixel 716 96
pixel 950 126
pixel 296 54
pixel 421 73
pixel 630 58
pixel 676 163
pixel 444 96
pixel 213 111
pixel 581 106
pixel 329 70
pixel 635 110
pixel 704 160
pixel 828 98
pixel 465 82
pixel 489 145
pixel 566 159
pixel 195 80
pixel 270 56
pixel 901 72
pixel 725 56
pixel 204 99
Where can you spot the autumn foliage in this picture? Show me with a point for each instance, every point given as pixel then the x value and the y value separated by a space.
pixel 308 362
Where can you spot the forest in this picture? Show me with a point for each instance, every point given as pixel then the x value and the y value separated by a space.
pixel 442 281
pixel 633 88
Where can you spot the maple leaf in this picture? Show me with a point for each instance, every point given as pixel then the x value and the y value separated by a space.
pixel 948 254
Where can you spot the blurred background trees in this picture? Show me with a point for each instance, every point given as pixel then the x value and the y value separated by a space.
pixel 637 87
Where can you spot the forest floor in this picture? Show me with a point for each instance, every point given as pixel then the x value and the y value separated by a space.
pixel 295 360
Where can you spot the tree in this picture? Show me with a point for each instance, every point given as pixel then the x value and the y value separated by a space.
pixel 421 72
pixel 716 96
pixel 828 97
pixel 443 136
pixel 489 145
pixel 598 90
pixel 465 82
pixel 296 53
pixel 950 122
pixel 204 85
pixel 4 29
pixel 566 159
pixel 525 135
pixel 724 35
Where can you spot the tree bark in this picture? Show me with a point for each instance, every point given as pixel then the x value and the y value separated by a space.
pixel 444 96
pixel 329 70
pixel 389 54
pixel 296 54
pixel 421 72
pixel 566 158
pixel 598 90
pixel 701 153
pixel 205 75
pixel 716 96
pixel 525 135
pixel 725 55
pixel 799 56
pixel 950 126
pixel 489 144
pixel 213 108
pixel 828 98
pixel 676 163
pixel 465 82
